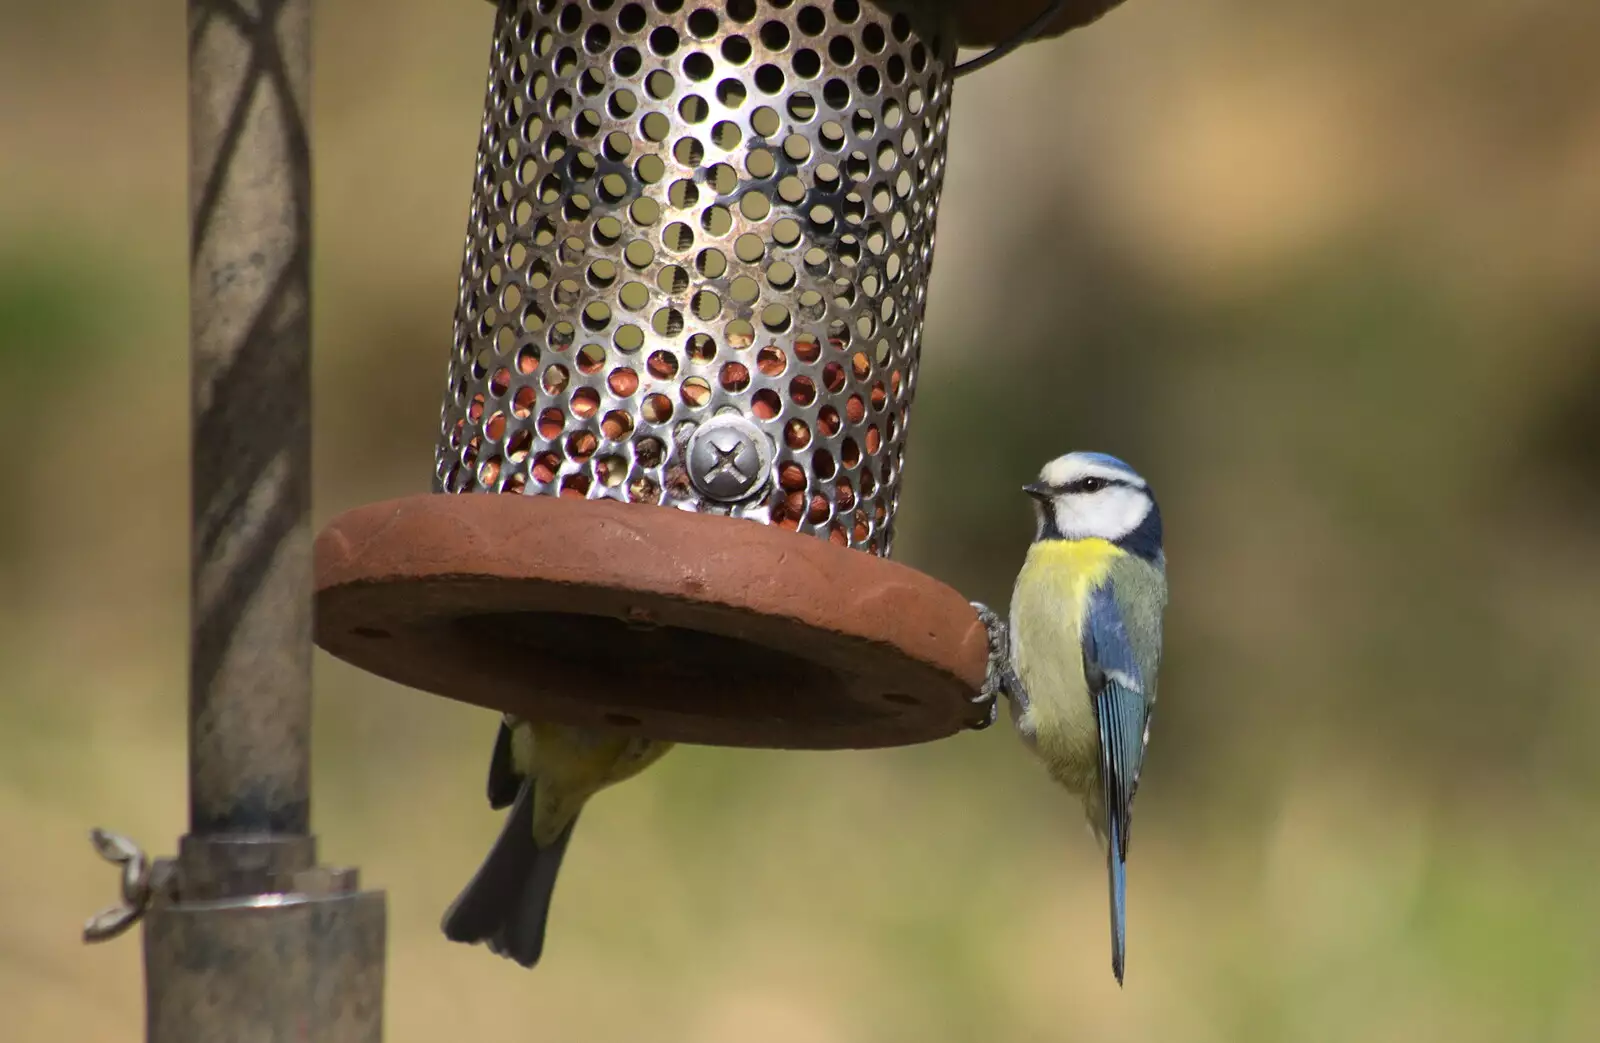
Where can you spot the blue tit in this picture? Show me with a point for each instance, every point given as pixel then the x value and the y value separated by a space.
pixel 1078 660
pixel 545 773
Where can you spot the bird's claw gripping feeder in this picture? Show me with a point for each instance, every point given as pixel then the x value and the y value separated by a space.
pixel 685 350
pixel 696 268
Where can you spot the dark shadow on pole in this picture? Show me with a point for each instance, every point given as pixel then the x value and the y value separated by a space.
pixel 249 305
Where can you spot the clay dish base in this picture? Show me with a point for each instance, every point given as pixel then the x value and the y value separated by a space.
pixel 690 627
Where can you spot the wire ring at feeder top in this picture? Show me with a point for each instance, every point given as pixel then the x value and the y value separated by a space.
pixel 1024 35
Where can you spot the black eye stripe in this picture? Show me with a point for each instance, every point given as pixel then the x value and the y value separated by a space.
pixel 1092 483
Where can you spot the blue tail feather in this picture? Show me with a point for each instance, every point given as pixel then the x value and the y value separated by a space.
pixel 1119 899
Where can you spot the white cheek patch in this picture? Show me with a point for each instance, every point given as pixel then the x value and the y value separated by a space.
pixel 1109 514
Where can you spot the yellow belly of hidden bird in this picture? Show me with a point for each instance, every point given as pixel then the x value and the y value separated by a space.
pixel 1047 609
pixel 570 765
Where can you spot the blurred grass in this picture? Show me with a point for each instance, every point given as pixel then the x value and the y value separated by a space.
pixel 1324 274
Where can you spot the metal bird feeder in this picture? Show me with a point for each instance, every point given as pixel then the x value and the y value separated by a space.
pixel 695 276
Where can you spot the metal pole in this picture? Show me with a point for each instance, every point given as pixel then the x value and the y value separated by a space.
pixel 250 359
pixel 246 937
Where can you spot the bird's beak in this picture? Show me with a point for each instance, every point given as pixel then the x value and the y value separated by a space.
pixel 1038 490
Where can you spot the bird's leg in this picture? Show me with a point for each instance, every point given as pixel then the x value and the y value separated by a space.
pixel 1011 684
pixel 994 679
pixel 1001 676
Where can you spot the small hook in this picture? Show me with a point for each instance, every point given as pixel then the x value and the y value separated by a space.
pixel 1024 35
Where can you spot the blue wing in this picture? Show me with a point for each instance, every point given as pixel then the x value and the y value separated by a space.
pixel 1111 668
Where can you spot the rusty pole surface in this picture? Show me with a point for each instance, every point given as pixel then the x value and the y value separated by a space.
pixel 246 937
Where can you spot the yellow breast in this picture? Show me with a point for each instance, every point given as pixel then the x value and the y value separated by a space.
pixel 1046 632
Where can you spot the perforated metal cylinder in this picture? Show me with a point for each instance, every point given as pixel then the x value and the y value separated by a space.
pixel 685 212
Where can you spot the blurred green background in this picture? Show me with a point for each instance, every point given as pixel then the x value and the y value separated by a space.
pixel 1324 273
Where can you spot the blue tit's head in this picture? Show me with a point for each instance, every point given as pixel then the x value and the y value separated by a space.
pixel 1084 496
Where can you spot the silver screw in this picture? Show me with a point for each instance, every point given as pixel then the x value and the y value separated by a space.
pixel 726 458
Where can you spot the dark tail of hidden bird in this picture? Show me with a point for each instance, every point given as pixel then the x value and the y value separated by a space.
pixel 507 901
